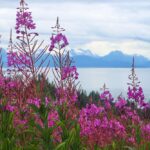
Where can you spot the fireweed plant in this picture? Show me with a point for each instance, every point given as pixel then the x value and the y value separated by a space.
pixel 65 74
pixel 35 115
pixel 25 56
pixel 135 92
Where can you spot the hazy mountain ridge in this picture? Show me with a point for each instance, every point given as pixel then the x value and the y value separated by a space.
pixel 85 59
pixel 115 59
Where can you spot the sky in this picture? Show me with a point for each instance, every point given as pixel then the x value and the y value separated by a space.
pixel 101 26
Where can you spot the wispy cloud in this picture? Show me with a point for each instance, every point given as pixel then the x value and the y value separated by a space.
pixel 99 25
pixel 130 47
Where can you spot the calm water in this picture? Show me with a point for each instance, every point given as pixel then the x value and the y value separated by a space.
pixel 115 79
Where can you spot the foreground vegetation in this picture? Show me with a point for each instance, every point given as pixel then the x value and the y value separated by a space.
pixel 35 114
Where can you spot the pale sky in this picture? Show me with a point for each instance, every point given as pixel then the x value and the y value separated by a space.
pixel 97 25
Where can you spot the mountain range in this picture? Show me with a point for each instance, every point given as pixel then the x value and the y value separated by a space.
pixel 115 59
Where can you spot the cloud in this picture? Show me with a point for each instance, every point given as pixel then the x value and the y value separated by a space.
pixel 126 46
pixel 87 22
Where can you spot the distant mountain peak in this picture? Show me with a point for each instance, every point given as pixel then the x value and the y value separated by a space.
pixel 116 51
pixel 82 52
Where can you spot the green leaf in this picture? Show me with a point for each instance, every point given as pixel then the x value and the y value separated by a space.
pixel 61 146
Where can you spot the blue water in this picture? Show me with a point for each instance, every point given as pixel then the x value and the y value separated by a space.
pixel 115 79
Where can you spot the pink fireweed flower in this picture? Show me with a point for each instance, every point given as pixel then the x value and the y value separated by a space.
pixel 97 128
pixel 11 84
pixel 97 122
pixel 58 39
pixel 68 72
pixel 2 81
pixel 11 58
pixel 129 114
pixel 117 128
pixel 21 122
pixel 34 101
pixel 146 132
pixel 136 94
pixel 107 104
pixel 14 59
pixel 65 96
pixel 24 20
pixel 144 105
pixel 120 103
pixel 106 95
pixel 73 97
pixel 107 98
pixel 52 118
pixel 61 95
pixel 132 140
pixel 9 108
